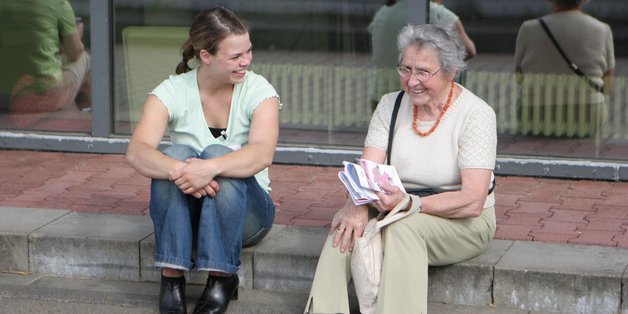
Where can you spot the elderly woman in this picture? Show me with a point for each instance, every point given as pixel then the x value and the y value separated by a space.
pixel 444 140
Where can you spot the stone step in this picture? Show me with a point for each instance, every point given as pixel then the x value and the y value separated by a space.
pixel 530 276
pixel 29 293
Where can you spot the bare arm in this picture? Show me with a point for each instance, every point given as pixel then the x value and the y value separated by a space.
pixel 468 202
pixel 608 81
pixel 258 153
pixel 468 43
pixel 72 45
pixel 142 153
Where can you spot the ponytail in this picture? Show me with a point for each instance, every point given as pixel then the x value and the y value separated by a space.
pixel 187 53
pixel 209 28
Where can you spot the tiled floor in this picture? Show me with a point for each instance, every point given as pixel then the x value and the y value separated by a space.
pixel 533 209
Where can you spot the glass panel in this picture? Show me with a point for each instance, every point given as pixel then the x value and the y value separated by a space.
pixel 318 55
pixel 45 66
pixel 315 53
pixel 548 112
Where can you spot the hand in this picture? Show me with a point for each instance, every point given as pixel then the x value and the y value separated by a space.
pixel 209 190
pixel 348 224
pixel 389 197
pixel 196 177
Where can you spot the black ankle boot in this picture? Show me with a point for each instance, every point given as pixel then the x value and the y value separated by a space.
pixel 172 295
pixel 217 294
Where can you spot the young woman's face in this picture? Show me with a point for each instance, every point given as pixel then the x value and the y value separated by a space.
pixel 423 61
pixel 233 57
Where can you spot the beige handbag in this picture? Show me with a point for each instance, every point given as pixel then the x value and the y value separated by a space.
pixel 368 254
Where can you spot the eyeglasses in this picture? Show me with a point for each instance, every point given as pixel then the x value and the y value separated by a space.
pixel 421 75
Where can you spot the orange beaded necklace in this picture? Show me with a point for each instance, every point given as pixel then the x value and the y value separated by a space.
pixel 415 114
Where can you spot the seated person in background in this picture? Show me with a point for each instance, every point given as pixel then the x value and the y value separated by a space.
pixel 586 41
pixel 44 66
pixel 445 137
pixel 385 27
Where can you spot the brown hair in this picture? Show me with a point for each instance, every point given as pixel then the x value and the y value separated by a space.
pixel 209 28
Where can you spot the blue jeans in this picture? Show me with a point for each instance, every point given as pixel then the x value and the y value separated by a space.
pixel 240 214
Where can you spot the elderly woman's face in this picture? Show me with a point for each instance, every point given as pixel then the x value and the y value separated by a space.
pixel 427 83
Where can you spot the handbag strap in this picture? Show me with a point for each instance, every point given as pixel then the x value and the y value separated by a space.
pixel 571 65
pixel 391 129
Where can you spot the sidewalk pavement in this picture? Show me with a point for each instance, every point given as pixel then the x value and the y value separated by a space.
pixel 527 208
pixel 69 216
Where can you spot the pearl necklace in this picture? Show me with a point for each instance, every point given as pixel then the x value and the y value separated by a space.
pixel 415 114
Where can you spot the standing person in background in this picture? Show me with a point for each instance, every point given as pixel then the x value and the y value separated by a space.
pixel 385 27
pixel 43 63
pixel 210 189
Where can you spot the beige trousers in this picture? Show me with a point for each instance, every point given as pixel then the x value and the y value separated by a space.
pixel 410 245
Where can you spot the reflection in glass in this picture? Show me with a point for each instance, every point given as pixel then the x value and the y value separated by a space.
pixel 45 81
pixel 317 54
pixel 544 112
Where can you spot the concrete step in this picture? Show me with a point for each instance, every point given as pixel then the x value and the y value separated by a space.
pixel 21 293
pixel 529 276
pixel 49 294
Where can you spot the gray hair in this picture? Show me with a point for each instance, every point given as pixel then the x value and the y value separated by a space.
pixel 443 40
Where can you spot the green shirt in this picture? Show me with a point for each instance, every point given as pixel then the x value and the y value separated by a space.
pixel 30 38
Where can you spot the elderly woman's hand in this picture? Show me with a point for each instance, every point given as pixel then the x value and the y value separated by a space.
pixel 348 224
pixel 389 197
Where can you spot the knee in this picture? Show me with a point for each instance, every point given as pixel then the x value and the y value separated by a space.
pixel 231 188
pixel 161 189
pixel 402 230
pixel 179 152
pixel 215 150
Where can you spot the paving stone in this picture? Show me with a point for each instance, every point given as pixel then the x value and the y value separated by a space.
pixel 560 278
pixel 287 261
pixel 85 244
pixel 469 282
pixel 14 231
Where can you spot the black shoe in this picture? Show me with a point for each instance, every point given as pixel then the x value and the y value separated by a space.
pixel 217 294
pixel 172 295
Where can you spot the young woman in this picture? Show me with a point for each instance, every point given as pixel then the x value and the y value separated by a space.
pixel 209 190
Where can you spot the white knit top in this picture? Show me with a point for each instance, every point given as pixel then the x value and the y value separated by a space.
pixel 465 138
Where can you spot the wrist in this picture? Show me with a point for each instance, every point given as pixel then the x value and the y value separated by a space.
pixel 415 203
pixel 409 203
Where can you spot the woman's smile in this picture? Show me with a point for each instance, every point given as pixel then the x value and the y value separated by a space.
pixel 417 90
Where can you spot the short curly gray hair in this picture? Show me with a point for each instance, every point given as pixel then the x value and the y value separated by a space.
pixel 444 40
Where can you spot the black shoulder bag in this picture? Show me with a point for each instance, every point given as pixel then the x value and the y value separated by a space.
pixel 422 192
pixel 571 65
